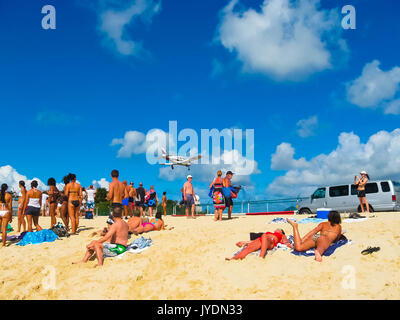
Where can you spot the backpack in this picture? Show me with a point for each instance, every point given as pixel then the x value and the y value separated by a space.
pixel 60 230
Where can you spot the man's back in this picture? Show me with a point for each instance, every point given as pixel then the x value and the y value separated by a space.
pixel 121 232
pixel 116 191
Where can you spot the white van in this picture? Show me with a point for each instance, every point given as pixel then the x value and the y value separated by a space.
pixel 381 196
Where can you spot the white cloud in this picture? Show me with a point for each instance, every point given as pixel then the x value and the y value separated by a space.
pixel 102 183
pixel 11 177
pixel 283 159
pixel 375 88
pixel 307 127
pixel 113 23
pixel 285 39
pixel 379 156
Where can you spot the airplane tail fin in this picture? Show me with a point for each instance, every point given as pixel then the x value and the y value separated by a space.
pixel 163 152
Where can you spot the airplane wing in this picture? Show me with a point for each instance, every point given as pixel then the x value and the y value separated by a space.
pixel 195 158
pixel 166 164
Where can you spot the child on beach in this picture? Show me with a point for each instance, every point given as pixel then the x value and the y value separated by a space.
pixel 117 236
pixel 329 232
pixel 266 242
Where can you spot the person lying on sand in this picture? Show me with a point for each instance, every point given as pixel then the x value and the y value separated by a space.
pixel 117 236
pixel 266 242
pixel 329 232
pixel 155 224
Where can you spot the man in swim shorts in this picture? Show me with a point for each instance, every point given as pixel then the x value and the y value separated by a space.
pixel 112 244
pixel 226 182
pixel 188 196
pixel 116 191
pixel 125 200
pixel 141 194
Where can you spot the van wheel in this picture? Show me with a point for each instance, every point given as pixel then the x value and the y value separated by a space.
pixel 371 209
pixel 306 211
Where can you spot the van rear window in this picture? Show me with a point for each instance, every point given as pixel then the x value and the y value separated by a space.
pixel 339 191
pixel 385 186
pixel 371 187
pixel 396 186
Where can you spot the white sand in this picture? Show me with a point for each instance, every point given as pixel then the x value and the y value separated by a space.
pixel 188 263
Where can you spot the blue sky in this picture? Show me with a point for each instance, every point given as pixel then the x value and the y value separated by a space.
pixel 65 94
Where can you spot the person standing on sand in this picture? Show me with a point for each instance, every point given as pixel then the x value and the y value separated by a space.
pixel 217 195
pixel 132 199
pixel 64 204
pixel 116 192
pixel 188 196
pixel 164 203
pixel 360 183
pixel 91 193
pixel 5 211
pixel 329 232
pixel 44 206
pixel 53 199
pixel 32 205
pixel 227 192
pixel 141 194
pixel 125 200
pixel 73 191
pixel 21 200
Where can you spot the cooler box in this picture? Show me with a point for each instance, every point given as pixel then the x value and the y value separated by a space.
pixel 322 213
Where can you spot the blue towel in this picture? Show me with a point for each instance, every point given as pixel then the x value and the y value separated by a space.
pixel 313 220
pixel 327 252
pixel 37 237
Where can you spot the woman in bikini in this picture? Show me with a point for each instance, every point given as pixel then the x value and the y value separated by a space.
pixel 266 242
pixel 21 200
pixel 54 194
pixel 32 205
pixel 155 224
pixel 218 197
pixel 64 204
pixel 5 211
pixel 73 191
pixel 360 183
pixel 320 237
pixel 164 203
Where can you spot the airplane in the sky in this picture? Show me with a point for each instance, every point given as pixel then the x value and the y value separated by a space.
pixel 178 160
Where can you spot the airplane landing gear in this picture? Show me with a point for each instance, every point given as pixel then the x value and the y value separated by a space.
pixel 172 167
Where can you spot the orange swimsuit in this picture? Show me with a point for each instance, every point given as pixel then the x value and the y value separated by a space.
pixel 277 235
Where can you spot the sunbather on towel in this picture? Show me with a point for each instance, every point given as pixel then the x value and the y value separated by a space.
pixel 117 236
pixel 329 232
pixel 155 224
pixel 266 242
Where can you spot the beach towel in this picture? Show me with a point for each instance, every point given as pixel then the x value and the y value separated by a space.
pixel 137 246
pixel 354 220
pixel 38 237
pixel 312 220
pixel 343 241
pixel 281 220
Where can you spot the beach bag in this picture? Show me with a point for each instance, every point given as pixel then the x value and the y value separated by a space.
pixel 60 230
pixel 89 215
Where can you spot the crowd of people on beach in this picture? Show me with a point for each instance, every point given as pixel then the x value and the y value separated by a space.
pixel 129 201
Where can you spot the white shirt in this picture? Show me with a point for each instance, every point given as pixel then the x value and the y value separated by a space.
pixel 90 195
pixel 44 198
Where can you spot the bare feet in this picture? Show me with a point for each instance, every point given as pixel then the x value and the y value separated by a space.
pixel 318 256
pixel 228 259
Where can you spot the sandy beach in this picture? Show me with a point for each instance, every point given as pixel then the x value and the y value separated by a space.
pixel 188 263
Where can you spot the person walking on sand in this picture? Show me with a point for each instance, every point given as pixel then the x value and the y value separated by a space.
pixel 164 203
pixel 329 232
pixel 360 183
pixel 217 196
pixel 53 199
pixel 117 237
pixel 32 205
pixel 5 212
pixel 188 196
pixel 227 184
pixel 73 191
pixel 21 200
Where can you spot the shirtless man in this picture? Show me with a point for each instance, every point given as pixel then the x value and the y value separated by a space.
pixel 188 196
pixel 73 191
pixel 116 190
pixel 21 200
pixel 125 200
pixel 329 232
pixel 226 182
pixel 117 237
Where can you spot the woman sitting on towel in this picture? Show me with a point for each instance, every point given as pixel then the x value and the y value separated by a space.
pixel 329 232
pixel 266 242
